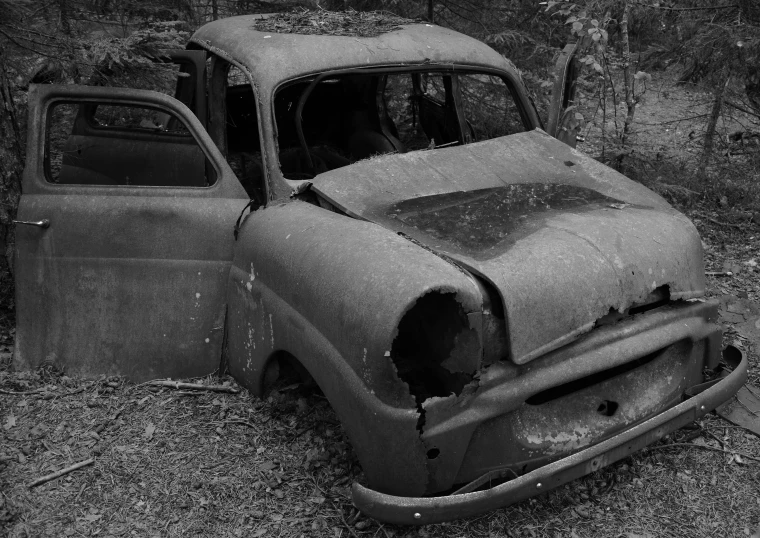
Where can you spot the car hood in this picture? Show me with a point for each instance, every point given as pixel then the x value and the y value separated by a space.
pixel 563 238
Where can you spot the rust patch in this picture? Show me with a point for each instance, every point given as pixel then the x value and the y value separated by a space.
pixel 479 220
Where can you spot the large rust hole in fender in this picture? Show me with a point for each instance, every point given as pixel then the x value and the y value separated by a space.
pixel 435 351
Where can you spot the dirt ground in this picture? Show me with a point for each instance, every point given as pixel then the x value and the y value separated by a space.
pixel 180 463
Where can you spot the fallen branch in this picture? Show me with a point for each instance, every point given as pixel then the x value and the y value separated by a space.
pixel 193 386
pixel 51 395
pixel 719 273
pixel 742 109
pixel 667 8
pixel 60 473
pixel 724 223
pixel 22 393
pixel 706 447
pixel 342 517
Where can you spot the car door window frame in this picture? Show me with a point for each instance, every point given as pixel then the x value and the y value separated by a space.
pixel 43 97
pixel 217 111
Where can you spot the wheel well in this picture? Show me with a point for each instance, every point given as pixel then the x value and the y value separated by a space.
pixel 283 369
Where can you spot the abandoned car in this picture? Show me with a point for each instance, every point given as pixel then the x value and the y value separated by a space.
pixel 490 312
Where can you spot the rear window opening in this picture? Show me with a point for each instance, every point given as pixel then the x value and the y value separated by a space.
pixel 354 116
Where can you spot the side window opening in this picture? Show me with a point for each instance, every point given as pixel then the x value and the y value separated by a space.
pixel 112 144
pixel 242 134
pixel 489 107
pixel 423 106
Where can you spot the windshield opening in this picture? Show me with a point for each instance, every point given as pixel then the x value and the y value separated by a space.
pixel 353 116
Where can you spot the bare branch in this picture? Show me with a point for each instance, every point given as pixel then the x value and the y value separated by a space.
pixel 666 8
pixel 60 473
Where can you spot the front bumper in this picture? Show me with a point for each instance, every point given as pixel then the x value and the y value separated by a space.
pixel 425 510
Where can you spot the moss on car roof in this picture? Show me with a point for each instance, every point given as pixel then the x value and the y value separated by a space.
pixel 272 57
pixel 339 23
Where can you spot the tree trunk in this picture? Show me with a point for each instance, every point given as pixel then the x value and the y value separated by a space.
pixel 630 97
pixel 63 7
pixel 215 9
pixel 11 163
pixel 711 126
pixel 430 11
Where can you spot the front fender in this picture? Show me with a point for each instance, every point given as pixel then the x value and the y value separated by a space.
pixel 332 290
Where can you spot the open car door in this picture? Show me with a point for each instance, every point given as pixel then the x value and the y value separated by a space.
pixel 124 240
pixel 562 123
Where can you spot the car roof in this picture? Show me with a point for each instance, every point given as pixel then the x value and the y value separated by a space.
pixel 275 57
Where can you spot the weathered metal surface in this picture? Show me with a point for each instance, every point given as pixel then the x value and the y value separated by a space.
pixel 548 228
pixel 307 283
pixel 125 280
pixel 274 57
pixel 425 510
pixel 491 427
pixel 270 59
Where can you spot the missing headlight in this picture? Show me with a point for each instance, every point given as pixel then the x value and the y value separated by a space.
pixel 435 351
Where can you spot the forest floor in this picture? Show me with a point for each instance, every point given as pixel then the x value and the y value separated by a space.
pixel 179 463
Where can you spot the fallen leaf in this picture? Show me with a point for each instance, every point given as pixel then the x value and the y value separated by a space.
pixel 150 429
pixel 90 517
pixel 10 422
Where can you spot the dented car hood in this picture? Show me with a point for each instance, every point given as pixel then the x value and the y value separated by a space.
pixel 563 238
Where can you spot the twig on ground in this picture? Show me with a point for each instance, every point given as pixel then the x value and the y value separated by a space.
pixel 719 273
pixel 193 386
pixel 724 223
pixel 706 447
pixel 60 473
pixel 343 518
pixel 711 434
pixel 111 419
pixel 22 393
pixel 53 395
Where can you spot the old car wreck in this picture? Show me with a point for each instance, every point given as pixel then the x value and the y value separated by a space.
pixel 490 312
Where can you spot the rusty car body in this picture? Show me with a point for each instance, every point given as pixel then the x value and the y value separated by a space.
pixel 489 319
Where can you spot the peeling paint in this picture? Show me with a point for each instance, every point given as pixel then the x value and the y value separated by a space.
pixel 271 330
pixel 566 441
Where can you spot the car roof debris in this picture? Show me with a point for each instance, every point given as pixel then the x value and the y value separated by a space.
pixel 341 23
